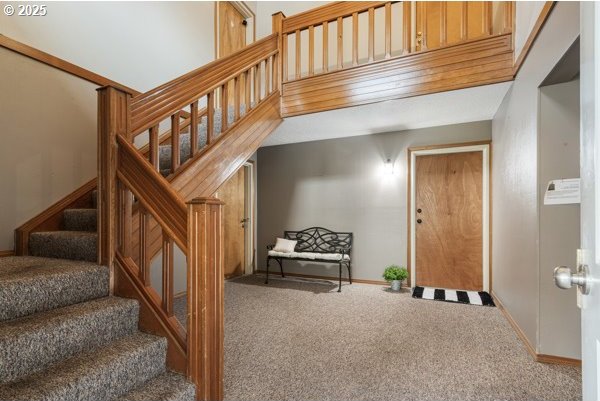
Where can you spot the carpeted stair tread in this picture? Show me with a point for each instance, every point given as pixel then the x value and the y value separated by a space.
pixel 74 245
pixel 32 343
pixel 80 219
pixel 30 284
pixel 103 374
pixel 167 387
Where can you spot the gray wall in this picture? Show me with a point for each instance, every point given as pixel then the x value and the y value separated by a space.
pixel 515 251
pixel 560 328
pixel 339 184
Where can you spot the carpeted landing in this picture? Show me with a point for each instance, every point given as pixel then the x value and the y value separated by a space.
pixel 299 340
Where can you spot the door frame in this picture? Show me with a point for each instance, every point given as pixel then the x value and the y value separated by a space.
pixel 250 212
pixel 413 152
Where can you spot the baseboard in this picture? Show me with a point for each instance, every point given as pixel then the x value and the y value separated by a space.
pixel 542 358
pixel 354 280
pixel 6 253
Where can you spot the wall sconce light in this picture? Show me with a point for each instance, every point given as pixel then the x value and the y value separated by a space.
pixel 388 167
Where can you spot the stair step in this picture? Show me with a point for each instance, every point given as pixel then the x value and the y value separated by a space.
pixel 103 374
pixel 29 284
pixel 167 387
pixel 80 219
pixel 74 245
pixel 31 344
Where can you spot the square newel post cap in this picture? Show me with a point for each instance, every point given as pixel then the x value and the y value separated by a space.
pixel 206 200
pixel 120 88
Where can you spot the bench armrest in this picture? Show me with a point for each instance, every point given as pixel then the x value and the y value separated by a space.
pixel 270 247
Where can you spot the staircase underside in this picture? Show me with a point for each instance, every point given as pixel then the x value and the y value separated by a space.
pixel 473 63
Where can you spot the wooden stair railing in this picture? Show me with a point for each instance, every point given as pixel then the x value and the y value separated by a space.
pixel 144 211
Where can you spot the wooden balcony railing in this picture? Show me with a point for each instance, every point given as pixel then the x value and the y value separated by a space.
pixel 347 34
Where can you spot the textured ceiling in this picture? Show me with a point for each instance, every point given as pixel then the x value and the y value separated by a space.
pixel 454 107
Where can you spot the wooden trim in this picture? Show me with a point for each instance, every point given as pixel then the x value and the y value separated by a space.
pixel 537 28
pixel 51 218
pixel 409 207
pixel 354 280
pixel 4 254
pixel 327 13
pixel 542 358
pixel 60 64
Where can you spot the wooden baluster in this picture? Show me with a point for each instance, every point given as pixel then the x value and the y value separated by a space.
pixel 371 34
pixel 247 91
pixel 154 148
pixel 340 43
pixel 268 76
pixel 224 107
pixel 276 83
pixel 236 98
pixel 210 117
pixel 125 206
pixel 406 27
pixel 143 241
pixel 167 274
pixel 113 120
pixel 325 46
pixel 354 38
pixel 257 83
pixel 194 128
pixel 175 144
pixel 298 55
pixel 284 58
pixel 443 23
pixel 388 30
pixel 311 50
pixel 205 285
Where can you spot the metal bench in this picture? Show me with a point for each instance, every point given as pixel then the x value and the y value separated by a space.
pixel 316 244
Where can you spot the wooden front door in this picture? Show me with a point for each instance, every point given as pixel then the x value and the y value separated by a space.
pixel 449 214
pixel 232 31
pixel 233 193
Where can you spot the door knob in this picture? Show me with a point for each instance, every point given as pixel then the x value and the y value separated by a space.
pixel 564 278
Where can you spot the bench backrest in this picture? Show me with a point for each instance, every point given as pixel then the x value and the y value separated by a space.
pixel 320 240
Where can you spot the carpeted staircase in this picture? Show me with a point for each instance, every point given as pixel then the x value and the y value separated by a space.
pixel 62 337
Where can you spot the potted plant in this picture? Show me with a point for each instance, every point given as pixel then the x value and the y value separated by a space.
pixel 395 275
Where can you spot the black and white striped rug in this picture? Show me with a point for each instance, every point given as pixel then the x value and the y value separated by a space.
pixel 463 297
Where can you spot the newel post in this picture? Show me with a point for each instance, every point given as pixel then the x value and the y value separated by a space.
pixel 278 28
pixel 113 120
pixel 205 297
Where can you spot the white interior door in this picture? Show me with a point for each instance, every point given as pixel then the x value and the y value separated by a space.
pixel 590 196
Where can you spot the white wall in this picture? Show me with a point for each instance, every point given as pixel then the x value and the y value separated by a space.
pixel 526 14
pixel 515 256
pixel 138 44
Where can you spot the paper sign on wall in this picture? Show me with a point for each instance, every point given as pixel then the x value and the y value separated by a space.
pixel 563 192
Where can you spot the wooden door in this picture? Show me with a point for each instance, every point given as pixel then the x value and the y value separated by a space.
pixel 449 218
pixel 442 23
pixel 233 193
pixel 232 30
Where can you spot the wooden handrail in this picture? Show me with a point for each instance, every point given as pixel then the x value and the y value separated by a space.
pixel 150 108
pixel 153 191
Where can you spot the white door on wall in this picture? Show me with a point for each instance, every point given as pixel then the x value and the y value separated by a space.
pixel 590 196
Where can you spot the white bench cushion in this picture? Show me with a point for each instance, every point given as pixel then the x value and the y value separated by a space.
pixel 309 255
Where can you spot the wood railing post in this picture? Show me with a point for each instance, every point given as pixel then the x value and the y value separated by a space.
pixel 278 28
pixel 113 120
pixel 205 297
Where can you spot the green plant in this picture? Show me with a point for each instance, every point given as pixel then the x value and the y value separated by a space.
pixel 394 272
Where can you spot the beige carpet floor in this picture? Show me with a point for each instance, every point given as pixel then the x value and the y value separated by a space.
pixel 298 340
